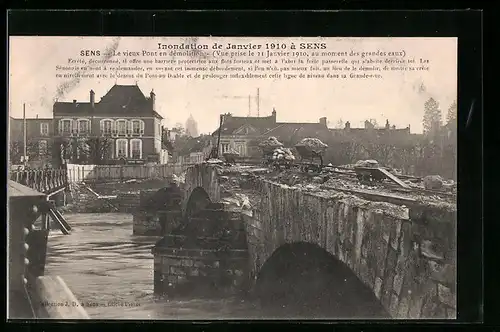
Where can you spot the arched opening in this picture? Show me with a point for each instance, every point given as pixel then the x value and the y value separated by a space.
pixel 302 280
pixel 197 202
pixel 164 205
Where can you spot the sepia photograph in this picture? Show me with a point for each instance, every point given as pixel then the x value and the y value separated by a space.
pixel 210 178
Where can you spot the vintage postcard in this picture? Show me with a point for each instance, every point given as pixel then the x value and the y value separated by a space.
pixel 232 178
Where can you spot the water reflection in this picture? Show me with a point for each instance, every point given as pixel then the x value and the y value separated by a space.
pixel 107 267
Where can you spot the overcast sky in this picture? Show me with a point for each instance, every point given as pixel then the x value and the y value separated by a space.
pixel 398 97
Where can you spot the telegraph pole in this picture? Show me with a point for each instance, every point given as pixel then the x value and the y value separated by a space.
pixel 258 103
pixel 24 135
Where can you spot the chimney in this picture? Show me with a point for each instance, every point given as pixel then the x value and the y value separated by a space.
pixel 387 125
pixel 347 125
pixel 323 121
pixel 92 98
pixel 37 116
pixel 153 100
pixel 74 101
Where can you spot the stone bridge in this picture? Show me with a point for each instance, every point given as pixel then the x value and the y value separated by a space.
pixel 400 249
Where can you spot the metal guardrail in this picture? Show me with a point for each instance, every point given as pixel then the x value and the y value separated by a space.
pixel 44 181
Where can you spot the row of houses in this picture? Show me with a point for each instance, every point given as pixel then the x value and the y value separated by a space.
pixel 127 122
pixel 124 118
pixel 243 134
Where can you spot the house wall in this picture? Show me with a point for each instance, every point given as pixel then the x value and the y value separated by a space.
pixel 239 143
pixel 39 144
pixel 151 139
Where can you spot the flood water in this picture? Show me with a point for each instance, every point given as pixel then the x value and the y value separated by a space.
pixel 110 271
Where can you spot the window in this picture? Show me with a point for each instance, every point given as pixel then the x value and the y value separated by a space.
pixel 121 148
pixel 44 129
pixel 65 126
pixel 136 149
pixel 106 126
pixel 121 126
pixel 42 147
pixel 84 126
pixel 137 127
pixel 225 147
pixel 240 149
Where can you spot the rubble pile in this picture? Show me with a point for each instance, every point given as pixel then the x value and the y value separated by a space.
pixel 270 144
pixel 310 147
pixel 433 182
pixel 283 154
pixel 367 163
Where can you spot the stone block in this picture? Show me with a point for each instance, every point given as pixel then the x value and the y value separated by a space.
pixel 398 283
pixel 395 234
pixel 431 250
pixel 446 296
pixel 172 279
pixel 429 293
pixel 442 273
pixel 426 214
pixel 186 262
pixel 415 308
pixel 387 284
pixel 403 308
pixel 378 287
pixel 238 273
pixel 391 262
pixel 178 271
pixel 451 313
pixel 393 307
pixel 199 264
pixel 194 272
pixel 380 255
pixel 364 273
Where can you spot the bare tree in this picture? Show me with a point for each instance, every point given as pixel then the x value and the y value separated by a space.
pixel 98 149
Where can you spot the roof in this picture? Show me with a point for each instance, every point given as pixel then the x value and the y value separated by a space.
pixel 18 190
pixel 233 123
pixel 120 99
pixel 31 119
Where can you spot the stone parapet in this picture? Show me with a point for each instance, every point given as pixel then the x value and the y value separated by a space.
pixel 402 248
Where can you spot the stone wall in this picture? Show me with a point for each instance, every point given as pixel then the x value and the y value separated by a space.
pixel 157 213
pixel 157 223
pixel 127 202
pixel 405 255
pixel 180 271
pixel 208 250
pixel 202 176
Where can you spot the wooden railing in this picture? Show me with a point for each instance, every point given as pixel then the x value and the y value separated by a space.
pixel 44 181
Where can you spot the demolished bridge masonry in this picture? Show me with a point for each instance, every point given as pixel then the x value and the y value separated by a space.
pixel 403 251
